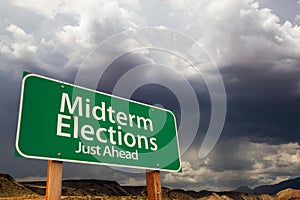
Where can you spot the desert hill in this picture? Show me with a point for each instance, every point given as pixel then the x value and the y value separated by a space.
pixel 10 187
pixel 111 190
pixel 287 194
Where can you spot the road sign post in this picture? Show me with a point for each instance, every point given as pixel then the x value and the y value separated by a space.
pixel 153 185
pixel 54 180
pixel 63 122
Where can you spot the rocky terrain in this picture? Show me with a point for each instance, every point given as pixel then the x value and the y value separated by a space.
pixel 111 190
pixel 10 187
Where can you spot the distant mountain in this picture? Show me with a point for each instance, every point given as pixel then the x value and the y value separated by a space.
pixel 135 190
pixel 272 189
pixel 244 189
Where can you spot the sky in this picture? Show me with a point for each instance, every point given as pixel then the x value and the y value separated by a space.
pixel 229 70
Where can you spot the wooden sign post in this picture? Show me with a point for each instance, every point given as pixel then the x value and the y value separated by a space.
pixel 153 185
pixel 54 180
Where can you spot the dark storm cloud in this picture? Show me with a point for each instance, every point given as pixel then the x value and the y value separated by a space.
pixel 9 103
pixel 262 102
pixel 118 68
pixel 230 156
pixel 150 93
pixel 155 94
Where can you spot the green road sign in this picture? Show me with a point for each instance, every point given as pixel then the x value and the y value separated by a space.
pixel 60 121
